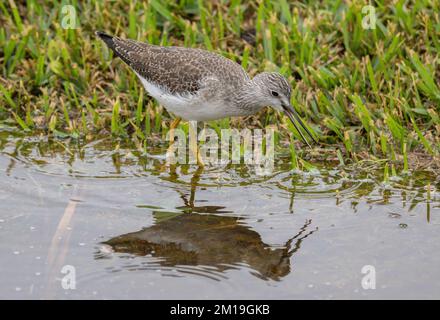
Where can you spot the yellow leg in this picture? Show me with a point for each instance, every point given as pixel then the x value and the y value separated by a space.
pixel 174 125
pixel 195 152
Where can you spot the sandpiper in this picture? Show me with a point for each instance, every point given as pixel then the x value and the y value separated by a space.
pixel 196 84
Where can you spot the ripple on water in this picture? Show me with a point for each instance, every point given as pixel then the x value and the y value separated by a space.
pixel 210 224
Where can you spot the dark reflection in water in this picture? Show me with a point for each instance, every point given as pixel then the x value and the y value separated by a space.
pixel 200 236
pixel 211 240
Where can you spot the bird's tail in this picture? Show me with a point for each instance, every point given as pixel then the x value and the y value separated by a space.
pixel 108 39
pixel 126 49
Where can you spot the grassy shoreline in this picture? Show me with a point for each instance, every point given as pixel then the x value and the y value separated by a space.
pixel 367 93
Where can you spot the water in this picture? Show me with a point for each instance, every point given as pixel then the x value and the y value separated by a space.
pixel 123 225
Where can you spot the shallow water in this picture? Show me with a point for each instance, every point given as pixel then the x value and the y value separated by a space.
pixel 129 227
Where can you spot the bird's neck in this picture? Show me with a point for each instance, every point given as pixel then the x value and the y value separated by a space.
pixel 248 96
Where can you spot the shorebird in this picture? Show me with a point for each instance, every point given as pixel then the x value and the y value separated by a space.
pixel 200 85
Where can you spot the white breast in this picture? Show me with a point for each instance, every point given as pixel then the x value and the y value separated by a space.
pixel 188 107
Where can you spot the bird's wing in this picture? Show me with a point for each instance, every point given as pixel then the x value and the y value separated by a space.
pixel 176 69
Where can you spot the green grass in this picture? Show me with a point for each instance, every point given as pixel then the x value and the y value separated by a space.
pixel 365 93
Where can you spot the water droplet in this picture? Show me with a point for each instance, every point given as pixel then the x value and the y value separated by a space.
pixel 17 289
pixel 16 252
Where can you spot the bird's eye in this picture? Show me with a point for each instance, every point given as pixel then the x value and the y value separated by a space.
pixel 275 94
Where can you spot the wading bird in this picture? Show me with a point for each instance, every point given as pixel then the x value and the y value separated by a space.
pixel 196 84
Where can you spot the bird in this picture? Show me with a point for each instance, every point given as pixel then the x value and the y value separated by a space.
pixel 200 85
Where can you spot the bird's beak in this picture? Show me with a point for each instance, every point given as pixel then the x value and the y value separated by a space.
pixel 294 117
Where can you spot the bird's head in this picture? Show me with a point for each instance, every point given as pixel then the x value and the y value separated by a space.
pixel 274 90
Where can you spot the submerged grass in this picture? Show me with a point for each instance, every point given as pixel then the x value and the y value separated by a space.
pixel 366 93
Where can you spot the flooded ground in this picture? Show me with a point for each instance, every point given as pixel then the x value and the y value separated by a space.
pixel 94 221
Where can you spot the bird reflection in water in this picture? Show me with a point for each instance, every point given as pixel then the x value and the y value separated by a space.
pixel 199 236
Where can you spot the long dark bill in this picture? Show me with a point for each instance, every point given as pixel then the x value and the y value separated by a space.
pixel 294 117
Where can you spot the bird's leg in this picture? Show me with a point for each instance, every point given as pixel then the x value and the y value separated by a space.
pixel 195 151
pixel 200 162
pixel 199 157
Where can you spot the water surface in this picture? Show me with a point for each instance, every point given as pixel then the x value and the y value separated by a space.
pixel 131 227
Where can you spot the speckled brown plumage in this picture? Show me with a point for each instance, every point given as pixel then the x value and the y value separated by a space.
pixel 179 70
pixel 200 85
